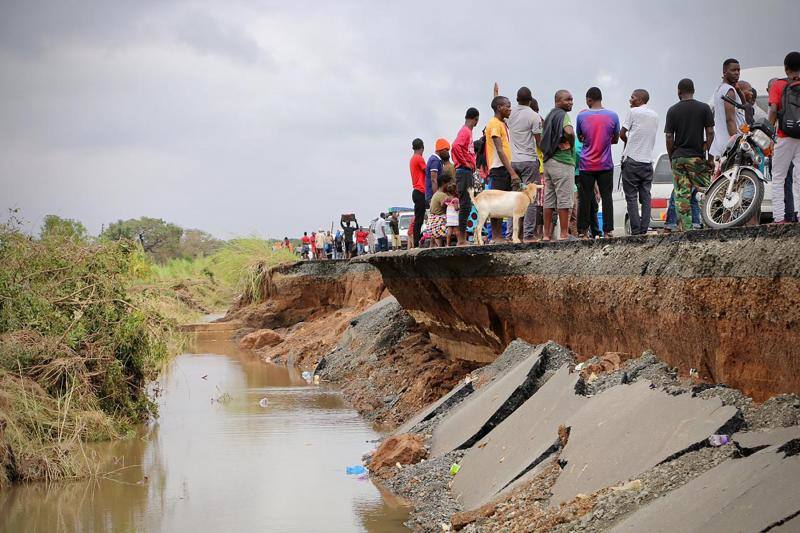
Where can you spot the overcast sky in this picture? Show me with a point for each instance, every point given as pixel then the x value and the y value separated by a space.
pixel 270 118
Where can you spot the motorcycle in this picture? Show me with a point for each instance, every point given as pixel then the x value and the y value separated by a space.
pixel 735 195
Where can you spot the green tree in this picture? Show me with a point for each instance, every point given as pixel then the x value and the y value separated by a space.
pixel 55 227
pixel 160 239
pixel 196 243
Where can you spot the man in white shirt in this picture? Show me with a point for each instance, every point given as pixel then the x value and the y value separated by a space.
pixel 639 135
pixel 525 130
pixel 727 117
pixel 382 240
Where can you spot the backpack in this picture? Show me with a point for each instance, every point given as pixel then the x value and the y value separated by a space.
pixel 480 151
pixel 789 116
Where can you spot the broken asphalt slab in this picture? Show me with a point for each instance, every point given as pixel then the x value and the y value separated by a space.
pixel 441 405
pixel 753 493
pixel 485 408
pixel 527 437
pixel 628 429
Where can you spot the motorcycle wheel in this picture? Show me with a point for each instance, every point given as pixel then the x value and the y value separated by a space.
pixel 720 212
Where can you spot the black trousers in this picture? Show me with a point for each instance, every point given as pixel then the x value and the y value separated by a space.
pixel 605 182
pixel 464 182
pixel 637 180
pixel 419 214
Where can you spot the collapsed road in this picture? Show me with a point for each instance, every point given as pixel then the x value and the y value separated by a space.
pixel 672 381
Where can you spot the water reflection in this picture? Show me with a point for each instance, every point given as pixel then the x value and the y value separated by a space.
pixel 217 460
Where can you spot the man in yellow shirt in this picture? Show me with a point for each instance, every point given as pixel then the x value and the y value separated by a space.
pixel 498 155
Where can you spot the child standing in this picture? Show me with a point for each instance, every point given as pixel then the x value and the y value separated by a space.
pixel 452 213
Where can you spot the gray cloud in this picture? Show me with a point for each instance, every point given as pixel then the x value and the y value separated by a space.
pixel 273 118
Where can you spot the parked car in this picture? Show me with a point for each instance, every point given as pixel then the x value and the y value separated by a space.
pixel 659 192
pixel 404 222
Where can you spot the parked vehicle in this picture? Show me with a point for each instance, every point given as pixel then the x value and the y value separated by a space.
pixel 659 192
pixel 736 194
pixel 405 221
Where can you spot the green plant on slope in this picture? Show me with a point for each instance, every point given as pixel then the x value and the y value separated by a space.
pixel 76 352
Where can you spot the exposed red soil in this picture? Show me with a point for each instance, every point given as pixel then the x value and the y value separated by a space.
pixel 404 449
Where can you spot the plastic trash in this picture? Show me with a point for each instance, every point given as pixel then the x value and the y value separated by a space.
pixel 356 470
pixel 718 440
pixel 263 402
pixel 580 366
pixel 307 375
pixel 454 468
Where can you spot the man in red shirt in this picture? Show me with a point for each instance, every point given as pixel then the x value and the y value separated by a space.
pixel 361 240
pixel 463 154
pixel 417 166
pixel 787 149
pixel 304 249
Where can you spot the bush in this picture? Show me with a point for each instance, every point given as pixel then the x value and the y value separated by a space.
pixel 76 352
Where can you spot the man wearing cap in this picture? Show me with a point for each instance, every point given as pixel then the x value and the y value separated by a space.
pixel 435 167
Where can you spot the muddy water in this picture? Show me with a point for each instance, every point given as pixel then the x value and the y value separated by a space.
pixel 216 460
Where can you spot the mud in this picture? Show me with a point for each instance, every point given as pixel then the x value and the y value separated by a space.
pixel 308 290
pixel 720 302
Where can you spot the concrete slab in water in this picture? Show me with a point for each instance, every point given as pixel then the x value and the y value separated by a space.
pixel 629 429
pixel 520 440
pixel 439 406
pixel 747 494
pixel 487 407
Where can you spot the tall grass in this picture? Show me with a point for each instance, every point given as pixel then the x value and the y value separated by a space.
pixel 76 350
pixel 238 267
pixel 243 263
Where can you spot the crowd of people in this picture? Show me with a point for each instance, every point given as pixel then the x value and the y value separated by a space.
pixel 574 162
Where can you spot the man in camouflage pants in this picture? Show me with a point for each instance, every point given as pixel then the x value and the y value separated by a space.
pixel 688 173
pixel 689 133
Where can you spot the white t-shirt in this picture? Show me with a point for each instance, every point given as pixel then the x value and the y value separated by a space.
pixel 721 135
pixel 523 123
pixel 380 228
pixel 642 125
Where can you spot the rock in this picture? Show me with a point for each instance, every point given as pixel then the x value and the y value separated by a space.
pixel 259 339
pixel 461 520
pixel 397 450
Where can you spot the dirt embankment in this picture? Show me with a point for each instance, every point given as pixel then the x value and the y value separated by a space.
pixel 387 366
pixel 309 305
pixel 723 303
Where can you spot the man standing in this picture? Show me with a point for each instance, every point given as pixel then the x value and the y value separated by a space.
pixel 727 117
pixel 639 135
pixel 752 99
pixel 498 156
pixel 361 240
pixel 349 230
pixel 464 161
pixel 382 240
pixel 686 122
pixel 435 167
pixel 558 144
pixel 784 109
pixel 394 225
pixel 597 128
pixel 305 245
pixel 525 130
pixel 417 166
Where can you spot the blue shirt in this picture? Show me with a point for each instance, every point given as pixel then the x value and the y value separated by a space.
pixel 434 163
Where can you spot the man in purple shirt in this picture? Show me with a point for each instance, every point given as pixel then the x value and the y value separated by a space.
pixel 597 128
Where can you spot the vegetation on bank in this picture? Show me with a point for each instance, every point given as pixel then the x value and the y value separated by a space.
pixel 87 323
pixel 76 351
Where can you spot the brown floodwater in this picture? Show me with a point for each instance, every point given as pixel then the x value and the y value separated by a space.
pixel 217 460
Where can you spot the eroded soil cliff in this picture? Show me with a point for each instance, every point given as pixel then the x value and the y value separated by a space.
pixel 723 303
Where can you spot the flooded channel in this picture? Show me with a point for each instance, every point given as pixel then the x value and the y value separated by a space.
pixel 221 459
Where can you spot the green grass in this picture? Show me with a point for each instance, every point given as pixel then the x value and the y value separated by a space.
pixel 214 281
